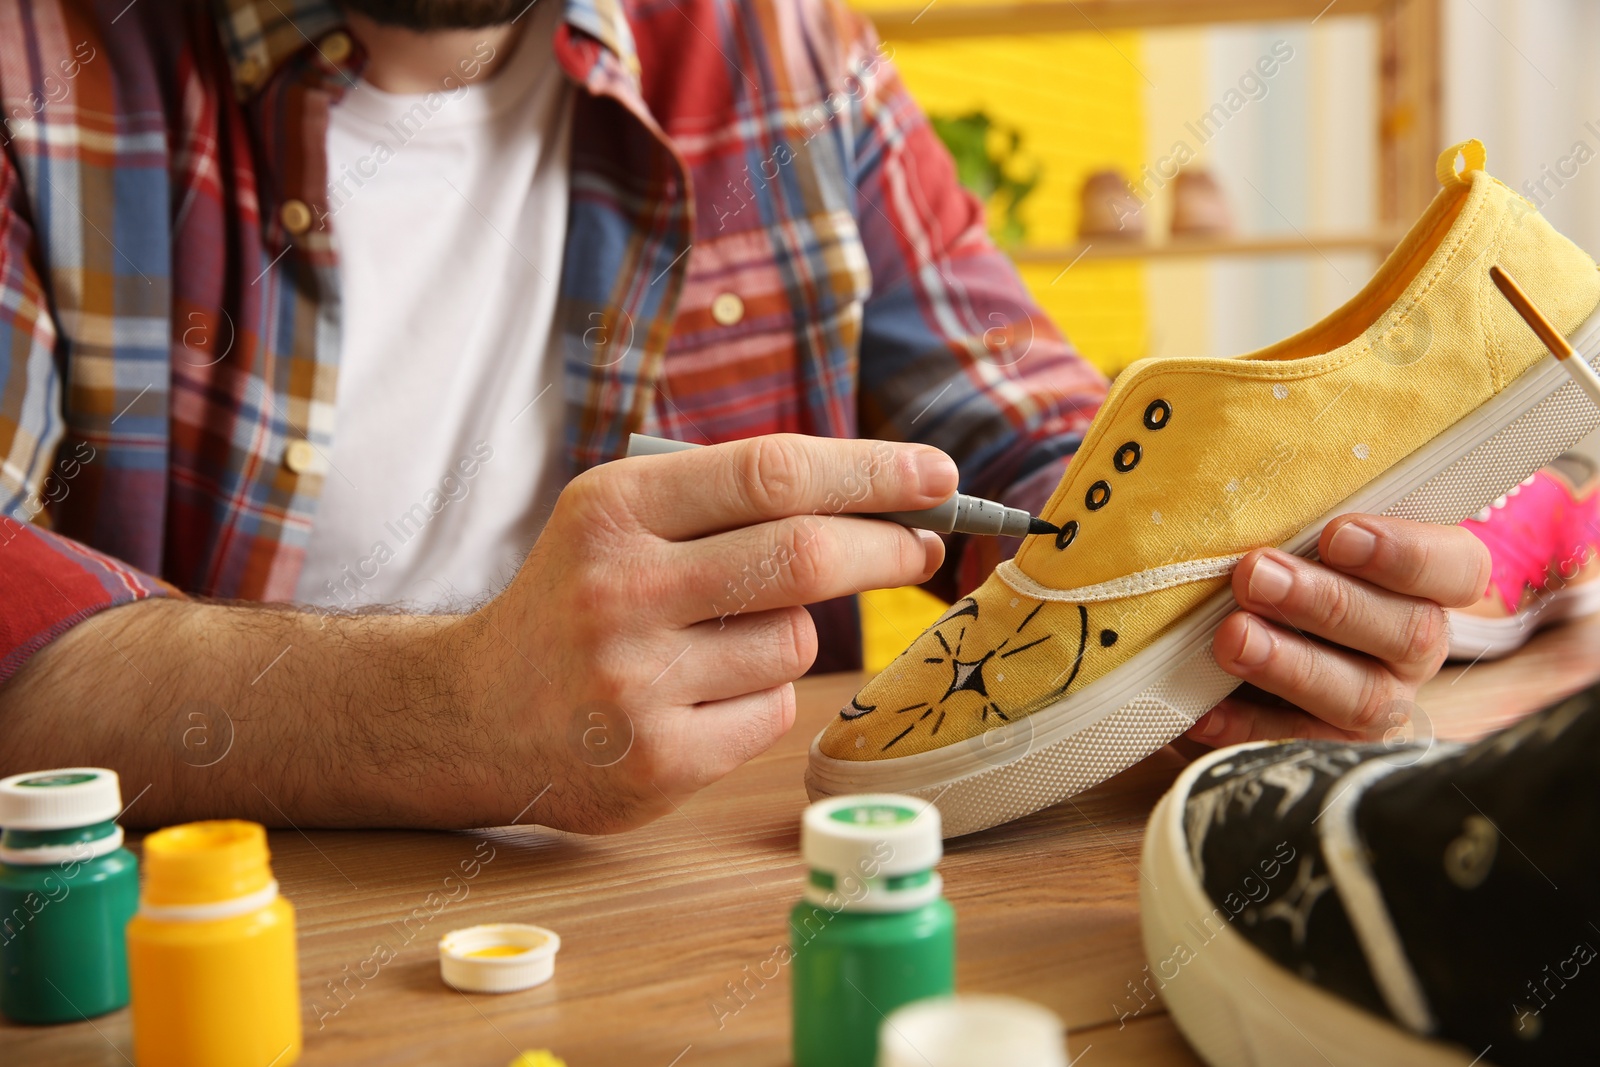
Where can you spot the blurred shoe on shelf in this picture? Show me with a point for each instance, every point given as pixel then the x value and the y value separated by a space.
pixel 1199 207
pixel 1111 210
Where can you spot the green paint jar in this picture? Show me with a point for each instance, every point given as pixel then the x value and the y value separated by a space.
pixel 67 890
pixel 872 931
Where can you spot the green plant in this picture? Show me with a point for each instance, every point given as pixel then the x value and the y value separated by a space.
pixel 973 140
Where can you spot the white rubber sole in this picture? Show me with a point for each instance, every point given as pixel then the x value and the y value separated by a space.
pixel 1474 637
pixel 1235 1005
pixel 1115 721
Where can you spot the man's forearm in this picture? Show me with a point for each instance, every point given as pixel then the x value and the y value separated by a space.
pixel 606 681
pixel 254 712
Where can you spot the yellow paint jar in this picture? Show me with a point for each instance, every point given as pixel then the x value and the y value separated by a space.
pixel 211 952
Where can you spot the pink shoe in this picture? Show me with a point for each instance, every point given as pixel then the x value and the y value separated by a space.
pixel 1544 538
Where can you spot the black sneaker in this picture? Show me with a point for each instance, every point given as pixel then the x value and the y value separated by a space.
pixel 1310 902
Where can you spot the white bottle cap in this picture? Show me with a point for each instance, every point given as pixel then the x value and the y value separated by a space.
pixel 872 852
pixel 498 957
pixel 59 800
pixel 972 1028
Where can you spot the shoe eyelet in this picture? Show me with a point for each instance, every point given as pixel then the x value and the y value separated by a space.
pixel 1068 534
pixel 1098 496
pixel 1157 415
pixel 1127 457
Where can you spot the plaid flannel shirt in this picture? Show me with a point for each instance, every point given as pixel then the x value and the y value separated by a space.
pixel 169 301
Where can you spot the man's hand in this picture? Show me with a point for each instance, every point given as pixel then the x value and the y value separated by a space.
pixel 648 644
pixel 645 648
pixel 1346 641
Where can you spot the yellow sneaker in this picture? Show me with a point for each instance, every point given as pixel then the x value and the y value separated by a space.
pixel 1425 396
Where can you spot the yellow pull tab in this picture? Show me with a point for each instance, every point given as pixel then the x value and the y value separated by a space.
pixel 1472 155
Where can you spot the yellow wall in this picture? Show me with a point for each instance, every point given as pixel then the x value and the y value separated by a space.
pixel 1078 100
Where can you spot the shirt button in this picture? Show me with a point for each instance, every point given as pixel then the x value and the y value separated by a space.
pixel 300 456
pixel 727 309
pixel 249 72
pixel 336 47
pixel 296 216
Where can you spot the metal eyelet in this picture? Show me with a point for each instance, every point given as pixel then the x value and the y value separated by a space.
pixel 1098 496
pixel 1068 534
pixel 1157 415
pixel 1127 457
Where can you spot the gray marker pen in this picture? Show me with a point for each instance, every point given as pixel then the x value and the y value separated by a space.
pixel 960 514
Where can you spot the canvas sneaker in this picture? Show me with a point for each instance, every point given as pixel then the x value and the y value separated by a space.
pixel 1543 537
pixel 1426 396
pixel 1375 905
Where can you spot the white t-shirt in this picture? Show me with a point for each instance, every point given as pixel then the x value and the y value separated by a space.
pixel 450 213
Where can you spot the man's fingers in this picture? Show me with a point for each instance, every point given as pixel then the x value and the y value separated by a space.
pixel 721 736
pixel 742 483
pixel 797 561
pixel 1407 632
pixel 1444 564
pixel 1235 721
pixel 1350 692
pixel 742 654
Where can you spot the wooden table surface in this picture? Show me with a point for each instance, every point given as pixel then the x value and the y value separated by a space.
pixel 656 923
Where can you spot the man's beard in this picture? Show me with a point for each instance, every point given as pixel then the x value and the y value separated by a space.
pixel 424 15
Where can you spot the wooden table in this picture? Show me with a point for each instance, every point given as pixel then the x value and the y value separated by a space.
pixel 657 923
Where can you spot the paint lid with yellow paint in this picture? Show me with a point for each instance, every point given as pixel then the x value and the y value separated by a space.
pixel 498 957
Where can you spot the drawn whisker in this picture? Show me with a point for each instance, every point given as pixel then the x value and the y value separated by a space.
pixel 1024 648
pixel 899 735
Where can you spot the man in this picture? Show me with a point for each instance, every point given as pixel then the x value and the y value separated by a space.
pixel 553 226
